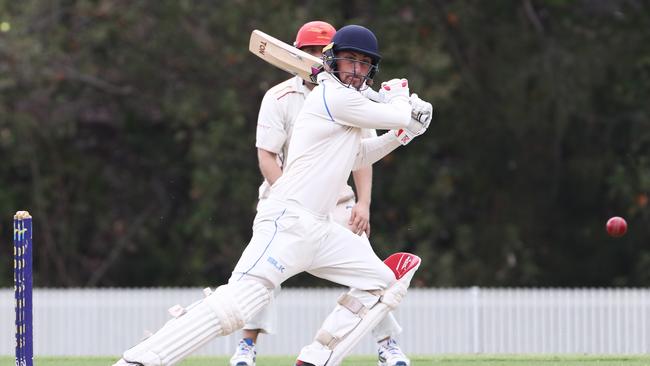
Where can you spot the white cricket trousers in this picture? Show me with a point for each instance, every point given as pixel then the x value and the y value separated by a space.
pixel 267 213
pixel 288 240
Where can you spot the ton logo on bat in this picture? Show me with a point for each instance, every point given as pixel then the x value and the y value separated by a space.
pixel 262 48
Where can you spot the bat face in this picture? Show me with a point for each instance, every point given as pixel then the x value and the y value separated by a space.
pixel 284 56
pixel 291 59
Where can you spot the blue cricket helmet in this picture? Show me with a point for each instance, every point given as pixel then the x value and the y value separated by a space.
pixel 353 38
pixel 359 39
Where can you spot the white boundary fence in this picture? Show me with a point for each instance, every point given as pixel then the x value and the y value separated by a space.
pixel 469 320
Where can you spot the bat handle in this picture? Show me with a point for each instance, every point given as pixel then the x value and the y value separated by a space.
pixel 314 74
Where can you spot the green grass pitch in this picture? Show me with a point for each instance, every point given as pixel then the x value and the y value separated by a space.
pixel 442 360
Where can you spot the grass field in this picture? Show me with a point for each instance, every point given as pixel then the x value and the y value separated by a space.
pixel 451 360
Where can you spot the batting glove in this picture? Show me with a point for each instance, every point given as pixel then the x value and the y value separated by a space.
pixel 421 110
pixel 392 89
pixel 413 130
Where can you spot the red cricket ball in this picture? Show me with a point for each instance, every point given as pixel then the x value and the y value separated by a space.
pixel 616 226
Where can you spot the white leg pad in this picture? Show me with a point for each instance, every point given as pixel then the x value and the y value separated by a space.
pixel 387 328
pixel 371 319
pixel 389 301
pixel 221 313
pixel 266 318
pixel 352 307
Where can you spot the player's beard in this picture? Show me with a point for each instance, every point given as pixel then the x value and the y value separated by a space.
pixel 353 80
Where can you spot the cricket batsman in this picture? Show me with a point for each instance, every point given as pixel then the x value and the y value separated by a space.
pixel 278 112
pixel 293 231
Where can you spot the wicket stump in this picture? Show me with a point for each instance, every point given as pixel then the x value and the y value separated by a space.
pixel 23 288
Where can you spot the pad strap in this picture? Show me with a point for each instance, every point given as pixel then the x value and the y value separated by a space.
pixel 326 339
pixel 353 304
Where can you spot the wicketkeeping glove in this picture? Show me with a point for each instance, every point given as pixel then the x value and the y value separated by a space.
pixel 395 88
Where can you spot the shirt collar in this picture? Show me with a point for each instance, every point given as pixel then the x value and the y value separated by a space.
pixel 299 84
pixel 323 76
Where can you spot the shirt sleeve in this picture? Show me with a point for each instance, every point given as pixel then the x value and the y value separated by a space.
pixel 367 133
pixel 373 149
pixel 351 108
pixel 271 134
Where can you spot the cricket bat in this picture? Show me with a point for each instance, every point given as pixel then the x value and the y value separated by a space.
pixel 291 59
pixel 285 57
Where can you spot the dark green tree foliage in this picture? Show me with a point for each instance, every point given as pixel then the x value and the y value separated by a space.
pixel 127 129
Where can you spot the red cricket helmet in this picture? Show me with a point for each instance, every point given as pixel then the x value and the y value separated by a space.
pixel 316 33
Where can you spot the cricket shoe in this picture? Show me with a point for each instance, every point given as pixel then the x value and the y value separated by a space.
pixel 245 353
pixel 391 355
pixel 303 363
pixel 122 362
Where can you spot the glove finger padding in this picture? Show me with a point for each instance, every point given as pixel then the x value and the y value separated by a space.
pixel 392 89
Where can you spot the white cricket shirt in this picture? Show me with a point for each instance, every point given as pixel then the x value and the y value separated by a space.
pixel 278 111
pixel 327 143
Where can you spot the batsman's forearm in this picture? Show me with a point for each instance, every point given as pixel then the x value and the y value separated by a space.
pixel 373 149
pixel 363 184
